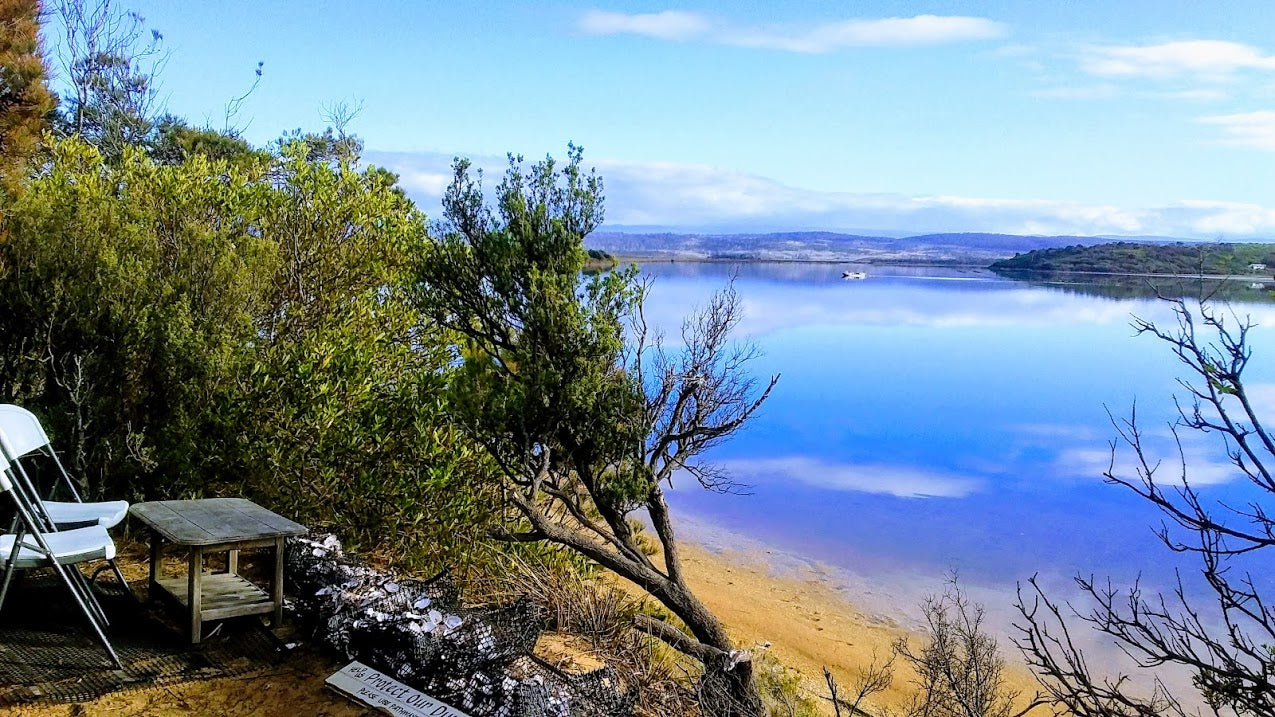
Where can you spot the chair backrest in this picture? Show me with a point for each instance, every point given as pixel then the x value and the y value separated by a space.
pixel 22 435
pixel 6 485
pixel 20 432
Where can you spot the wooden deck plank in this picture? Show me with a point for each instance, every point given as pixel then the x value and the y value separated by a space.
pixel 223 595
pixel 170 524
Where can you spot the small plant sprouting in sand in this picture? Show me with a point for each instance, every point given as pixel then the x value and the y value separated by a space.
pixel 871 680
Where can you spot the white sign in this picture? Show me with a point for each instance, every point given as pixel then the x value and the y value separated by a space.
pixel 386 694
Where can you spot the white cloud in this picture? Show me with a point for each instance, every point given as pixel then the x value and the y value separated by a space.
pixel 1038 212
pixel 1199 94
pixel 1212 59
pixel 1107 91
pixel 1089 92
pixel 1214 217
pixel 431 184
pixel 886 32
pixel 693 197
pixel 900 481
pixel 821 38
pixel 667 25
pixel 1246 129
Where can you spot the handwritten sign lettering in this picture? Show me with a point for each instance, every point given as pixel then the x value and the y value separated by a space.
pixel 385 694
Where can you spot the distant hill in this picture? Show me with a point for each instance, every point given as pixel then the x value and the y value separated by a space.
pixel 1147 258
pixel 961 249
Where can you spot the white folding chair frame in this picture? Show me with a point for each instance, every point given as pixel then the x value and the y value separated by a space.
pixel 39 443
pixel 30 527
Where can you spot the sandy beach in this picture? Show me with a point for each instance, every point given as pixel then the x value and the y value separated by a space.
pixel 801 611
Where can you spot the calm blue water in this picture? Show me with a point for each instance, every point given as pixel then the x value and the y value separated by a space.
pixel 929 419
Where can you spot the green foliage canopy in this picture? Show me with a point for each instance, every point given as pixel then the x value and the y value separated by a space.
pixel 542 374
pixel 208 326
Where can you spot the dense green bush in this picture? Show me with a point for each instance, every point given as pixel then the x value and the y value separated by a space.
pixel 126 303
pixel 203 327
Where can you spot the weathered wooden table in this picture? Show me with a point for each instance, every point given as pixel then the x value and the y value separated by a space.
pixel 216 525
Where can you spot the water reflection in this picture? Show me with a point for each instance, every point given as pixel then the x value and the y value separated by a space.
pixel 929 419
pixel 791 296
pixel 1142 287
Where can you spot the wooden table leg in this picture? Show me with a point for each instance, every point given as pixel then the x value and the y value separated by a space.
pixel 232 562
pixel 276 588
pixel 157 554
pixel 194 593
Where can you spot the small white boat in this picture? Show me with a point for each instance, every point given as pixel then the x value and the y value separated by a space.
pixel 853 275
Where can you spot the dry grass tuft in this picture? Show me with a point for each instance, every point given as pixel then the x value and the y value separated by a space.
pixel 599 616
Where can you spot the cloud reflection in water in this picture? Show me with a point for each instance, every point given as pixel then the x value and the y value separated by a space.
pixel 899 481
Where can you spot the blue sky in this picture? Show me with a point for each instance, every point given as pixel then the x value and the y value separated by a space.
pixel 1145 117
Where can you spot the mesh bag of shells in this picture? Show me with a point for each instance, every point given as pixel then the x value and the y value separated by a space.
pixel 336 593
pixel 433 647
pixel 484 666
pixel 318 569
pixel 530 687
pixel 544 691
pixel 478 659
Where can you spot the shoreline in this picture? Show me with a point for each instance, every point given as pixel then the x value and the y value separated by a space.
pixel 802 608
pixel 937 264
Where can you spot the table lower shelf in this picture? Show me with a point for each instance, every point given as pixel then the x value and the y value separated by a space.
pixel 222 595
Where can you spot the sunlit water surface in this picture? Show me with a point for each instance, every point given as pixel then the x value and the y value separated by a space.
pixel 931 420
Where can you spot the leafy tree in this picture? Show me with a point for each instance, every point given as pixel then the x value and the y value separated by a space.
pixel 1227 641
pixel 25 100
pixel 109 67
pixel 586 424
pixel 344 400
pixel 174 141
pixel 126 299
pixel 215 327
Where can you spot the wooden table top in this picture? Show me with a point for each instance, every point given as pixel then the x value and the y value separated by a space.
pixel 213 521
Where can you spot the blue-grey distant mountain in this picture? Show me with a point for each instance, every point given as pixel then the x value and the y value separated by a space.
pixel 963 248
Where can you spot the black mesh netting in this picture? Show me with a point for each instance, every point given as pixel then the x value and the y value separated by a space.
pixel 478 659
pixel 48 653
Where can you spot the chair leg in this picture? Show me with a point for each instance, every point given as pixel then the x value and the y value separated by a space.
pixel 80 584
pixel 12 561
pixel 8 579
pixel 115 567
pixel 88 612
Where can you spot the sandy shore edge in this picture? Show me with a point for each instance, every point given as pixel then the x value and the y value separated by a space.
pixel 803 613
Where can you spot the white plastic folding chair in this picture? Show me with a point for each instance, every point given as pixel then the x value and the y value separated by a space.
pixel 31 546
pixel 22 435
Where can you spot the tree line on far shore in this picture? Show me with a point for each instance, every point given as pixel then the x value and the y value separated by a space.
pixel 1181 259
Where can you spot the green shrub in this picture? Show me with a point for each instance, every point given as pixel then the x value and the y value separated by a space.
pixel 200 327
pixel 782 690
pixel 126 302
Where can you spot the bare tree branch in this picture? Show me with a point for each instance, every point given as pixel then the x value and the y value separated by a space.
pixel 1226 642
